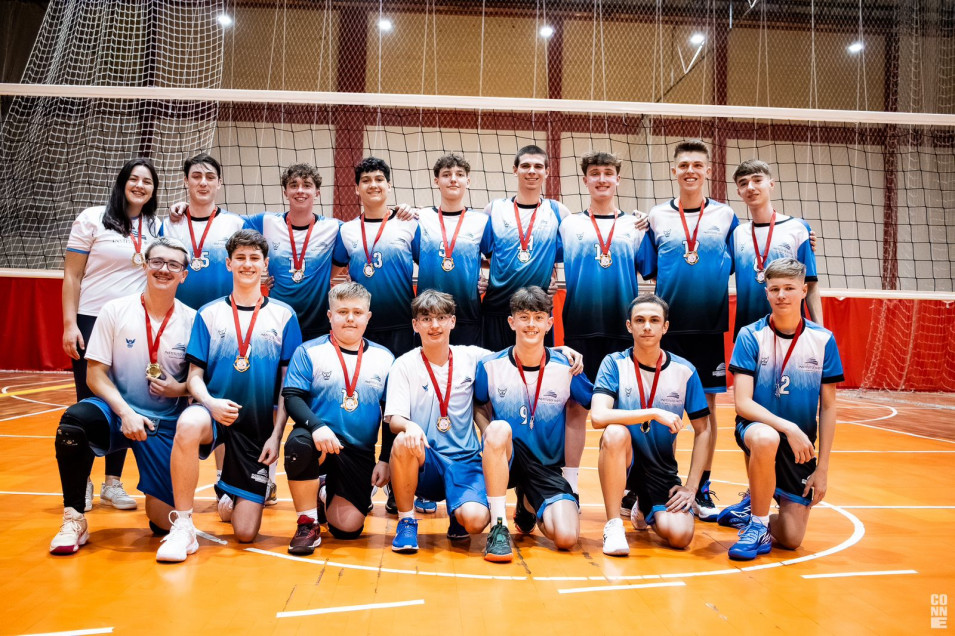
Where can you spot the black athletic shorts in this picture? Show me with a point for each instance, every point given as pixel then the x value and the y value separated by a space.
pixel 498 334
pixel 243 476
pixel 542 485
pixel 397 340
pixel 706 352
pixel 348 475
pixel 651 483
pixel 595 349
pixel 790 477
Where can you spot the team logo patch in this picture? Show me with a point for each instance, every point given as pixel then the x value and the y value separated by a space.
pixel 580 236
pixel 261 476
pixel 354 245
pixel 763 361
pixel 272 336
pixel 130 342
pixel 178 352
pixel 629 391
pixel 501 391
pixel 221 334
pixel 425 387
pixel 275 246
pixel 326 375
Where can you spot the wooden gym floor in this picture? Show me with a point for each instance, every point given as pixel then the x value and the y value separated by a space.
pixel 876 552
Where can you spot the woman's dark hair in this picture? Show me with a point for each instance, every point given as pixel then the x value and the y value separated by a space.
pixel 116 217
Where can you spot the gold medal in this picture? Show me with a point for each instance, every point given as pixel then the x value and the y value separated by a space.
pixel 444 424
pixel 138 259
pixel 368 270
pixel 605 260
pixel 153 371
pixel 298 276
pixel 447 264
pixel 350 403
pixel 524 256
pixel 242 364
pixel 692 258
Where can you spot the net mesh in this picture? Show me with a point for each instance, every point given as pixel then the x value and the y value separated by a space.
pixel 879 194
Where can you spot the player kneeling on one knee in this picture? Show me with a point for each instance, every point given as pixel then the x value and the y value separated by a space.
pixel 137 371
pixel 526 388
pixel 333 391
pixel 786 369
pixel 640 397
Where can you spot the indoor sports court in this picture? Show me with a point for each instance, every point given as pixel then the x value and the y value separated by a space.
pixel 851 103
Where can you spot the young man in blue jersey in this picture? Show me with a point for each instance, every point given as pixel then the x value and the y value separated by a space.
pixel 376 248
pixel 524 441
pixel 334 391
pixel 448 246
pixel 137 369
pixel 640 397
pixel 430 407
pixel 693 239
pixel 785 370
pixel 238 352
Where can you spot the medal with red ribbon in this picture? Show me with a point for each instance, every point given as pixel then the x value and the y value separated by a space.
pixel 783 382
pixel 137 239
pixel 692 256
pixel 298 258
pixel 760 262
pixel 198 260
pixel 524 254
pixel 349 393
pixel 242 363
pixel 153 370
pixel 603 257
pixel 369 268
pixel 644 402
pixel 447 261
pixel 444 422
pixel 540 381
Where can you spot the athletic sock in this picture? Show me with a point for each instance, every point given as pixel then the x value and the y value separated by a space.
pixel 498 508
pixel 273 469
pixel 184 514
pixel 406 515
pixel 570 474
pixel 763 520
pixel 705 478
pixel 311 513
pixel 323 495
pixel 218 475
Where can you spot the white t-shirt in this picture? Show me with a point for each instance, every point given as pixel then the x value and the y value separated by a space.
pixel 110 272
pixel 119 340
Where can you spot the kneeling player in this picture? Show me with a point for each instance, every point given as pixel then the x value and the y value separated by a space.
pixel 785 368
pixel 333 391
pixel 238 351
pixel 137 369
pixel 528 386
pixel 639 400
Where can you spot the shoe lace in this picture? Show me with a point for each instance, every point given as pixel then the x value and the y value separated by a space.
pixel 499 535
pixel 407 526
pixel 70 524
pixel 751 532
pixel 180 527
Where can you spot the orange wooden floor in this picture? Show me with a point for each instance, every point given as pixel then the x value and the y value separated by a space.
pixel 876 553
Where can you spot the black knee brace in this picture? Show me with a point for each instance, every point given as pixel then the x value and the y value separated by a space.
pixel 71 438
pixel 344 535
pixel 301 456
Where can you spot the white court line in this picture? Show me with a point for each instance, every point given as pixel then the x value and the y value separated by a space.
pixel 348 608
pixel 23 399
pixel 77 632
pixel 609 588
pixel 892 430
pixel 836 575
pixel 17 417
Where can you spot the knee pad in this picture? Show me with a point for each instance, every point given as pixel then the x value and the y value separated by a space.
pixel 343 534
pixel 301 456
pixel 70 437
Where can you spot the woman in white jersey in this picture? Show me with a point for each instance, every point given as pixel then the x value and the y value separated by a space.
pixel 104 257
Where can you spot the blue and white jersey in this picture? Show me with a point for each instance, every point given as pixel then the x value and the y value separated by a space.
pixel 412 396
pixel 119 340
pixel 461 282
pixel 790 240
pixel 760 351
pixel 316 369
pixel 214 280
pixel 214 346
pixel 597 297
pixel 679 391
pixel 308 298
pixel 508 273
pixel 391 286
pixel 698 294
pixel 499 382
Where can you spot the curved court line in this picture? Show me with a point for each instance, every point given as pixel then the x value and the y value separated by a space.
pixel 17 417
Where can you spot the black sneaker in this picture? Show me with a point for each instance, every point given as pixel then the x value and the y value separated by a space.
pixel 390 506
pixel 498 548
pixel 524 519
pixel 703 505
pixel 627 503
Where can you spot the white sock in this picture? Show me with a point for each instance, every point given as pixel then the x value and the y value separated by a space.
pixel 272 470
pixel 322 495
pixel 218 475
pixel 311 513
pixel 498 506
pixel 763 520
pixel 406 515
pixel 184 514
pixel 570 474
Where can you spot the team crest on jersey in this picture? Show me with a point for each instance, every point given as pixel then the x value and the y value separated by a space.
pixel 501 391
pixel 666 233
pixel 272 336
pixel 375 382
pixel 425 387
pixel 130 342
pixel 178 352
pixel 763 361
pixel 354 245
pixel 629 390
pixel 580 236
pixel 785 246
pixel 713 229
pixel 809 364
pixel 221 334
pixel 275 246
pixel 326 375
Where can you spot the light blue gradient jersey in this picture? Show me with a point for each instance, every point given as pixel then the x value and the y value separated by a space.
pixel 790 240
pixel 499 382
pixel 698 294
pixel 391 285
pixel 119 340
pixel 412 396
pixel 316 369
pixel 461 282
pixel 214 346
pixel 792 394
pixel 309 298
pixel 679 391
pixel 214 280
pixel 508 273
pixel 597 297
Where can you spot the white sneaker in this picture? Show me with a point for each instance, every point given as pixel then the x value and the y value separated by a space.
pixel 636 518
pixel 73 533
pixel 89 495
pixel 116 495
pixel 615 539
pixel 180 542
pixel 225 506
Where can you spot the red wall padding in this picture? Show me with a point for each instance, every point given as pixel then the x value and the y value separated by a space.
pixel 915 354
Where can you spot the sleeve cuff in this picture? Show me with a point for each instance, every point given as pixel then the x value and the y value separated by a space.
pixel 698 414
pixel 834 379
pixel 604 391
pixel 735 370
pixel 196 361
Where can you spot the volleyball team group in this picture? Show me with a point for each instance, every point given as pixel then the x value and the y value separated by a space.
pixel 206 332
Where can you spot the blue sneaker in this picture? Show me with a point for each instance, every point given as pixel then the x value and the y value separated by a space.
pixel 754 540
pixel 736 516
pixel 406 536
pixel 425 506
pixel 703 506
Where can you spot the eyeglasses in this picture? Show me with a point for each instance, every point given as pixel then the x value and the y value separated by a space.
pixel 173 266
pixel 441 320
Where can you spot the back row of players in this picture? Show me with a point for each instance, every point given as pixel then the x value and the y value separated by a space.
pixel 238 347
